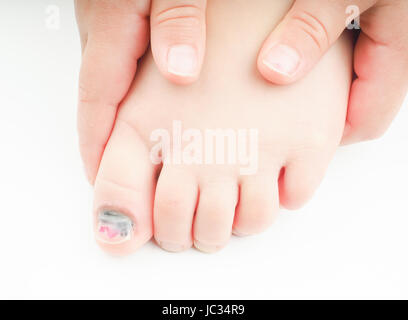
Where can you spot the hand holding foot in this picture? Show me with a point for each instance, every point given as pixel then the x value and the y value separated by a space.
pixel 380 56
pixel 114 35
pixel 201 202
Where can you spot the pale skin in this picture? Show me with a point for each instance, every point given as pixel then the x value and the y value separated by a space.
pixel 180 205
pixel 115 34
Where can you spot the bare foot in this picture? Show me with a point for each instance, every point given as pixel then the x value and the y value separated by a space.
pixel 297 129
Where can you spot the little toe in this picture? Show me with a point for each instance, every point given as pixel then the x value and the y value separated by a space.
pixel 258 204
pixel 174 206
pixel 215 214
pixel 300 179
pixel 124 189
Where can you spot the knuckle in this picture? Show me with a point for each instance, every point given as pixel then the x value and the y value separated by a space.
pixel 139 7
pixel 87 99
pixel 312 27
pixel 84 94
pixel 215 216
pixel 188 14
pixel 94 89
pixel 171 206
pixel 110 182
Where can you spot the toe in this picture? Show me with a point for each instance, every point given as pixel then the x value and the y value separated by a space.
pixel 215 214
pixel 258 204
pixel 124 189
pixel 300 179
pixel 174 206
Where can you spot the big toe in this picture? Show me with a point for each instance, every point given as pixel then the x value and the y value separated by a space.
pixel 124 190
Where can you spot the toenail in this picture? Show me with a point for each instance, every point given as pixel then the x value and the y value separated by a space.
pixel 208 248
pixel 240 234
pixel 114 227
pixel 172 247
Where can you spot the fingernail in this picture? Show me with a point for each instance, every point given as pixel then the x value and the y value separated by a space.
pixel 182 60
pixel 282 59
pixel 114 227
pixel 172 247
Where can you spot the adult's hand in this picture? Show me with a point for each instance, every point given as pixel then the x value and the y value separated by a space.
pixel 380 56
pixel 114 35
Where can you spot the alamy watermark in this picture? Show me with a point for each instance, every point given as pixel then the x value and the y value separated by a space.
pixel 209 146
pixel 353 18
pixel 53 17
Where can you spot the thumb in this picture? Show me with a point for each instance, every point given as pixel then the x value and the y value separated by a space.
pixel 303 36
pixel 178 32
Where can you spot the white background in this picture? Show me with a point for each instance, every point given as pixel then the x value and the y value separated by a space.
pixel 350 241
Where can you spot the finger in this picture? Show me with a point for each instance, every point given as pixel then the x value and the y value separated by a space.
pixel 116 36
pixel 178 34
pixel 381 64
pixel 81 14
pixel 304 35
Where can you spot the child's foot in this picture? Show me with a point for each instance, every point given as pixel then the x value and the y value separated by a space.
pixel 297 130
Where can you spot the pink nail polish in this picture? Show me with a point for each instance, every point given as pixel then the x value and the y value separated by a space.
pixel 182 60
pixel 282 59
pixel 114 227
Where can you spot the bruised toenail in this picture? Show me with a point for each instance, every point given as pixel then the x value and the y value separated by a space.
pixel 172 247
pixel 114 227
pixel 208 248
